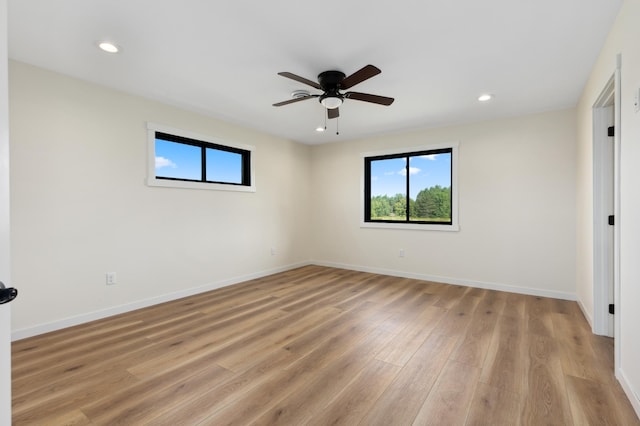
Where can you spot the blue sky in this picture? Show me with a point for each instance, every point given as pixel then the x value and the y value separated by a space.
pixel 388 177
pixel 182 161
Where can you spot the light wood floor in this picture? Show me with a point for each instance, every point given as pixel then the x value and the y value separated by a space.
pixel 324 346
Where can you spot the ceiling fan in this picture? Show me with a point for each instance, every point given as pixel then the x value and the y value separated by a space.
pixel 331 83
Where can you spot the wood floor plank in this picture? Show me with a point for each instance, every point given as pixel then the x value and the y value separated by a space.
pixel 221 394
pixel 458 317
pixel 76 366
pixel 545 396
pixel 593 403
pixel 65 396
pixel 474 346
pixel 376 285
pixel 403 346
pixel 399 320
pixel 577 353
pixel 185 349
pixel 494 406
pixel 145 400
pixel 449 400
pixel 505 365
pixel 493 302
pixel 364 316
pixel 449 296
pixel 31 350
pixel 515 306
pixel 319 345
pixel 350 405
pixel 292 327
pixel 137 331
pixel 539 316
pixel 403 398
pixel 312 396
pixel 298 391
pixel 72 418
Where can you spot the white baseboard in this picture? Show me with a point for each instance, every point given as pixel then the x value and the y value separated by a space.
pixel 456 281
pixel 586 314
pixel 115 310
pixel 631 393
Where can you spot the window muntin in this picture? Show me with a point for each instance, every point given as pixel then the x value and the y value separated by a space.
pixel 422 180
pixel 179 159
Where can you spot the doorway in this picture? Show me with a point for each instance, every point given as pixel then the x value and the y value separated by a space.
pixel 606 201
pixel 603 219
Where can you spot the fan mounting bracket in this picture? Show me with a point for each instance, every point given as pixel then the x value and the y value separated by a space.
pixel 300 94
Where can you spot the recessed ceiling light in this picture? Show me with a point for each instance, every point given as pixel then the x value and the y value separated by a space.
pixel 484 98
pixel 108 47
pixel 320 129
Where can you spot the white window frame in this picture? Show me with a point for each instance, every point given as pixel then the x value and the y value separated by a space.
pixel 151 180
pixel 454 226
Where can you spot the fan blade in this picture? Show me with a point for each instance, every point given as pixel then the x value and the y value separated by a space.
pixel 333 113
pixel 300 79
pixel 359 76
pixel 382 100
pixel 290 101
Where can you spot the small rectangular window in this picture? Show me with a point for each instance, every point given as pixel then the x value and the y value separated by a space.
pixel 416 188
pixel 185 160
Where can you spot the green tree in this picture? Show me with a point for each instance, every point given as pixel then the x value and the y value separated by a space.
pixel 380 206
pixel 433 203
pixel 400 205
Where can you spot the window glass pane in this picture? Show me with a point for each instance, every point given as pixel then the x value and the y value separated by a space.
pixel 389 189
pixel 178 160
pixel 223 166
pixel 430 187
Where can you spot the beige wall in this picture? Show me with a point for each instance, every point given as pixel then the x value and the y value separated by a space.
pixel 517 208
pixel 80 206
pixel 623 39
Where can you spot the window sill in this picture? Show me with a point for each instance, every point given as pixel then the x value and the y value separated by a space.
pixel 410 226
pixel 199 185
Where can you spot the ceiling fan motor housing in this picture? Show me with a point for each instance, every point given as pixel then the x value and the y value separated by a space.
pixel 330 82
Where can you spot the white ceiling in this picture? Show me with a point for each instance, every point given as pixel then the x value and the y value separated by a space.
pixel 221 57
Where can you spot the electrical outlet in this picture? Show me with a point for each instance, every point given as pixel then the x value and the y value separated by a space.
pixel 273 251
pixel 401 253
pixel 111 278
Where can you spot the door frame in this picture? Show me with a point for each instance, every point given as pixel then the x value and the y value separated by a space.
pixel 603 184
pixel 5 310
pixel 610 96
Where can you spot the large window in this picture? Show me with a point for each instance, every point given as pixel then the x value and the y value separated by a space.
pixel 416 188
pixel 178 159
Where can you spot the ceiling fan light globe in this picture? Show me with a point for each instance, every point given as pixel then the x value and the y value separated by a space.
pixel 331 102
